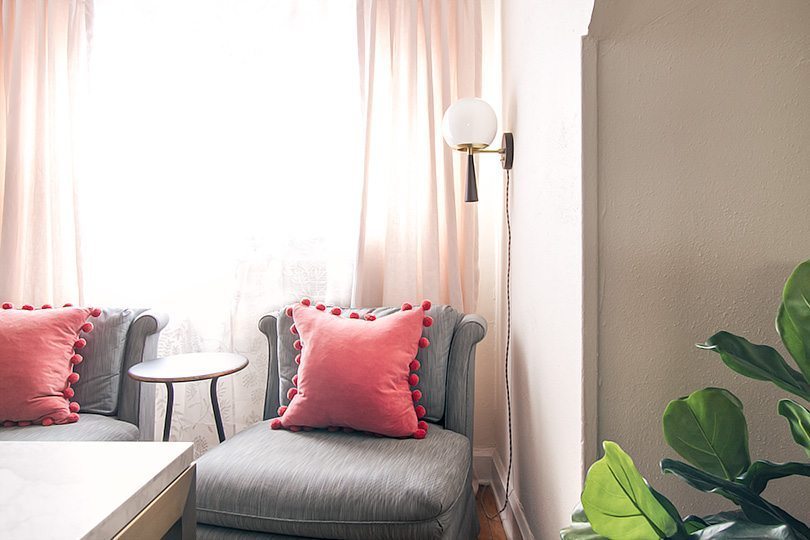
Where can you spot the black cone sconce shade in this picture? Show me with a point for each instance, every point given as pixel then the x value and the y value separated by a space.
pixel 472 186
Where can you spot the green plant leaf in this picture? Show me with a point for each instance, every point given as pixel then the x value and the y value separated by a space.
pixel 722 517
pixel 799 419
pixel 792 338
pixel 757 362
pixel 744 530
pixel 757 509
pixel 793 319
pixel 708 429
pixel 761 472
pixel 618 502
pixel 579 529
pixel 693 524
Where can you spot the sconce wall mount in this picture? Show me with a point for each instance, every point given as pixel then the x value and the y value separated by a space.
pixel 469 126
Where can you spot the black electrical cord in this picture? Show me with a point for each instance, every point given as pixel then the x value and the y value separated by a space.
pixel 508 341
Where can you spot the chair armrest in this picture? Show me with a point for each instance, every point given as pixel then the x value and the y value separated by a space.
pixel 460 394
pixel 136 402
pixel 268 325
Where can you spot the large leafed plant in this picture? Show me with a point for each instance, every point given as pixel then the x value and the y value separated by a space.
pixel 709 431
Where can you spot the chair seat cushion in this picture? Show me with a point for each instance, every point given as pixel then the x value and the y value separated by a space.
pixel 90 427
pixel 334 485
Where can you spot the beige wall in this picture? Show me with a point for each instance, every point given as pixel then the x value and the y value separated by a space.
pixel 541 98
pixel 703 190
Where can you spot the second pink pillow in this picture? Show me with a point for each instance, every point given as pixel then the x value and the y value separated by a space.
pixel 357 373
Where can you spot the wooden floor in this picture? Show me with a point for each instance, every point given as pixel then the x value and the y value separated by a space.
pixel 491 529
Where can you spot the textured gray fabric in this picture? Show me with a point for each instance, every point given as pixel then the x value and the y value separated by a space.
pixel 209 532
pixel 142 342
pixel 90 427
pixel 466 527
pixel 101 371
pixel 432 375
pixel 268 327
pixel 458 414
pixel 338 485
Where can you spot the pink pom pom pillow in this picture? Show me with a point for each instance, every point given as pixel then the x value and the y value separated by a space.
pixel 38 349
pixel 357 372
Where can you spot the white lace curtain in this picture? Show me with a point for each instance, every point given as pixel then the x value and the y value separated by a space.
pixel 225 176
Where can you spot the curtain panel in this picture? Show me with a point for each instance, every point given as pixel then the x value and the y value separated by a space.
pixel 418 239
pixel 43 50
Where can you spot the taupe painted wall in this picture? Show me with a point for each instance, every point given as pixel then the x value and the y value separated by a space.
pixel 703 210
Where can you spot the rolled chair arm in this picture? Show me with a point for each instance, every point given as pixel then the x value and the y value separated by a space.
pixel 136 403
pixel 460 395
pixel 268 325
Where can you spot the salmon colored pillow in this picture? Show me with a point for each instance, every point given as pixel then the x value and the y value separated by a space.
pixel 37 355
pixel 356 373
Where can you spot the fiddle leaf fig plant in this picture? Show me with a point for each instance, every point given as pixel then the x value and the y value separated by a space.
pixel 799 419
pixel 793 320
pixel 759 362
pixel 709 430
pixel 619 503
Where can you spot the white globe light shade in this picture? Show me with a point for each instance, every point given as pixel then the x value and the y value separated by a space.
pixel 469 122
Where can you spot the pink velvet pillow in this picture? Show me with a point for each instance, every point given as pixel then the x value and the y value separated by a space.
pixel 356 373
pixel 37 355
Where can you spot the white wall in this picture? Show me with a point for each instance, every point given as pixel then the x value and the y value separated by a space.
pixel 704 189
pixel 541 94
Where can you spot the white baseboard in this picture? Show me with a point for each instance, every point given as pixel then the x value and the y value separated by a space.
pixel 488 469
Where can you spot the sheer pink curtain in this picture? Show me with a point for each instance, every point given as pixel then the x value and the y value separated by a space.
pixel 43 50
pixel 418 239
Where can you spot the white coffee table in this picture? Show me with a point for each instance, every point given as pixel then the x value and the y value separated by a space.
pixel 97 490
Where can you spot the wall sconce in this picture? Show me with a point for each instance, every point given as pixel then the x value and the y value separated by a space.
pixel 469 126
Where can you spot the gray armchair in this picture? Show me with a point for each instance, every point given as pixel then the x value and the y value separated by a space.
pixel 113 406
pixel 265 483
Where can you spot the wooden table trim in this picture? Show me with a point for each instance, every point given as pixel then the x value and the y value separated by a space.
pixel 172 514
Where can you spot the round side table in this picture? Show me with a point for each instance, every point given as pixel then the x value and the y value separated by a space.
pixel 186 368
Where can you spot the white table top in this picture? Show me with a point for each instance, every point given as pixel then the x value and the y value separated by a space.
pixel 188 367
pixel 87 490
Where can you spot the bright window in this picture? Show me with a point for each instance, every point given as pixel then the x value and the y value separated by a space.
pixel 225 152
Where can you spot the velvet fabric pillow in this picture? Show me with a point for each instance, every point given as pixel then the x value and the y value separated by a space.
pixel 37 355
pixel 356 373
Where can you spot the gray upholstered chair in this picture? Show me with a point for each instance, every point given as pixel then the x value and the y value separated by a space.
pixel 110 401
pixel 265 483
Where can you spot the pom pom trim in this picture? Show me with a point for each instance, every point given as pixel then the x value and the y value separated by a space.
pixel 413 378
